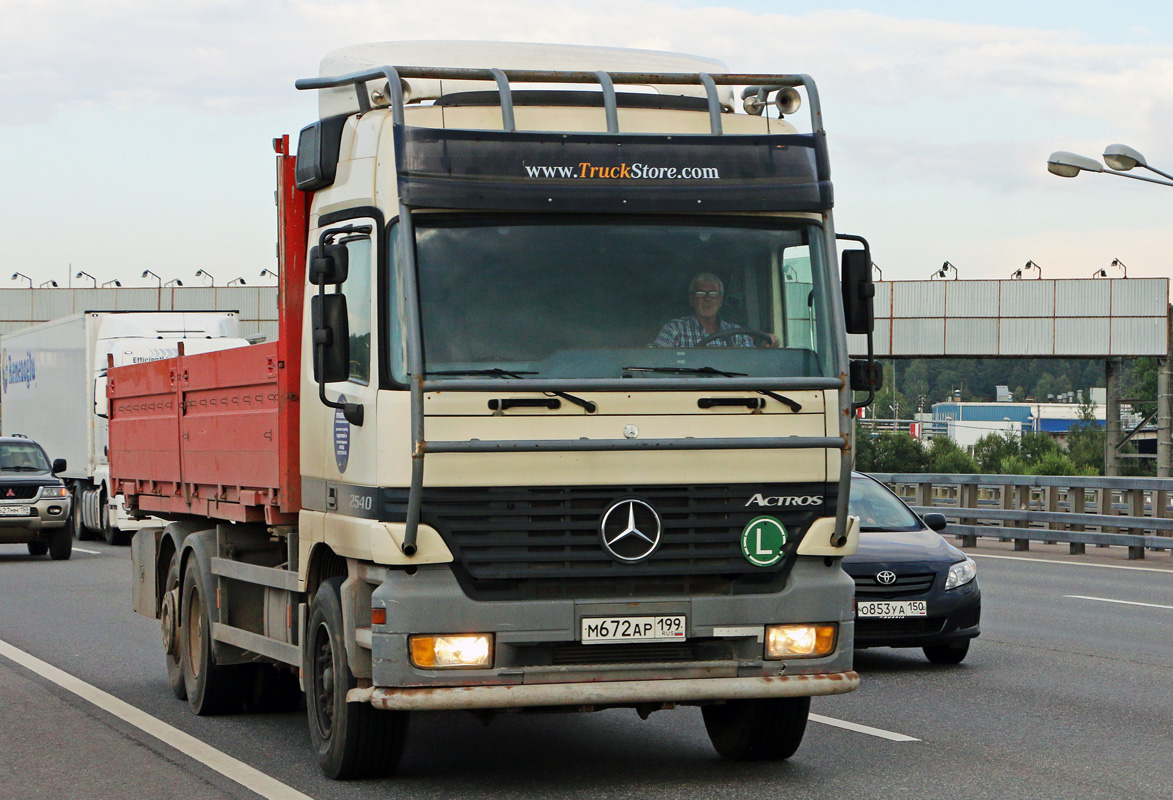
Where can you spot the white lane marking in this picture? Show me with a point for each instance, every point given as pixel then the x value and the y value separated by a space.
pixel 1069 563
pixel 853 726
pixel 1121 602
pixel 252 779
pixel 91 552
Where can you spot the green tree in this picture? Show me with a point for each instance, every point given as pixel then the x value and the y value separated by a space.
pixel 993 448
pixel 1085 442
pixel 946 457
pixel 895 451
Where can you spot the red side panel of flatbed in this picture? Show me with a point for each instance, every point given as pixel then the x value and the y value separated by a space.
pixel 216 434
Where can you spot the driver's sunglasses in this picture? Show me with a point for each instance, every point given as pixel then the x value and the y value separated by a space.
pixel 712 295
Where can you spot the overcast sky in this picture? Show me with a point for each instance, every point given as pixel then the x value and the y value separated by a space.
pixel 137 135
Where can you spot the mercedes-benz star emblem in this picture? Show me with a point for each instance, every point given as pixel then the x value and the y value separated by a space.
pixel 630 530
pixel 886 577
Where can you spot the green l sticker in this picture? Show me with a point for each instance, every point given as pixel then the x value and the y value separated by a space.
pixel 762 541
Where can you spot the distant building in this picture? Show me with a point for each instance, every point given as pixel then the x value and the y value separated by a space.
pixel 966 423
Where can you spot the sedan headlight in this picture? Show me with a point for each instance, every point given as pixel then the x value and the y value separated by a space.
pixel 961 573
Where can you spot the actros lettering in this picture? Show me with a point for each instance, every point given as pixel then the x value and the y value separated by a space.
pixel 807 500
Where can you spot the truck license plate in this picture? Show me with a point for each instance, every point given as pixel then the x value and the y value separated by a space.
pixel 596 630
pixel 14 511
pixel 891 609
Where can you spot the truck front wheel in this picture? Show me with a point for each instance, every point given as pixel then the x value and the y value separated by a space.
pixel 211 688
pixel 757 730
pixel 352 740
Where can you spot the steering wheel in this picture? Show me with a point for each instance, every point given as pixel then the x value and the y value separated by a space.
pixel 731 332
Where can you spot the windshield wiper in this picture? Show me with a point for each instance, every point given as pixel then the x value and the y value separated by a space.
pixel 497 372
pixel 793 405
pixel 21 469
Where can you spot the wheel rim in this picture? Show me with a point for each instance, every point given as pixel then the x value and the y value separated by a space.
pixel 195 633
pixel 323 687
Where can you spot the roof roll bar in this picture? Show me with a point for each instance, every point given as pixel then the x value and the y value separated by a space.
pixel 607 80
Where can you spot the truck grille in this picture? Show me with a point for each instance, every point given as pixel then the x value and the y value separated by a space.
pixel 535 543
pixel 577 654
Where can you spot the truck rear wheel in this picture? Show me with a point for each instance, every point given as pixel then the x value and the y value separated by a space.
pixel 757 730
pixel 171 630
pixel 352 740
pixel 61 544
pixel 38 548
pixel 211 688
pixel 76 523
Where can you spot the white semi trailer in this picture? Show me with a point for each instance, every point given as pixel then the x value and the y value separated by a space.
pixel 47 393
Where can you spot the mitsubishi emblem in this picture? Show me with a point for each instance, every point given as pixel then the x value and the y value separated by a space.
pixel 630 530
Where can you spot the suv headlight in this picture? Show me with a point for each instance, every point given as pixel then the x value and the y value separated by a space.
pixel 54 491
pixel 961 573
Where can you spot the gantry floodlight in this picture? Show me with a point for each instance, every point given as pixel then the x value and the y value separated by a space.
pixel 50 284
pixel 267 271
pixel 114 282
pixel 147 272
pixel 943 272
pixel 1017 274
pixel 236 282
pixel 1116 263
pixel 1119 157
pixel 174 282
pixel 203 273
pixel 879 272
pixel 18 275
pixel 87 275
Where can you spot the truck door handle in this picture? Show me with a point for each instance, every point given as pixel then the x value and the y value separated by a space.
pixel 753 403
pixel 506 403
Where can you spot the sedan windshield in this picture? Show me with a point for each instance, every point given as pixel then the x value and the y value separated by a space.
pixel 606 297
pixel 878 509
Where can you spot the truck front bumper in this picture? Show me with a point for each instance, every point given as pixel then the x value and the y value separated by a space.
pixel 620 693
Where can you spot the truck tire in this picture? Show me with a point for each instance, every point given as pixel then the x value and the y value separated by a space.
pixel 352 740
pixel 211 688
pixel 171 630
pixel 61 544
pixel 757 730
pixel 76 523
pixel 38 548
pixel 112 535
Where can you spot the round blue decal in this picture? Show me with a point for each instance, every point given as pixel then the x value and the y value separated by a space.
pixel 341 437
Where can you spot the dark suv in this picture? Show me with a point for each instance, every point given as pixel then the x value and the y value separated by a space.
pixel 34 503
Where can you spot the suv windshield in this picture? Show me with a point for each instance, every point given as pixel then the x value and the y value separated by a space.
pixel 586 297
pixel 878 509
pixel 22 457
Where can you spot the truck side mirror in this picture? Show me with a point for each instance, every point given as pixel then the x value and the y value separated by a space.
pixel 58 465
pixel 329 264
pixel 858 291
pixel 866 376
pixel 331 338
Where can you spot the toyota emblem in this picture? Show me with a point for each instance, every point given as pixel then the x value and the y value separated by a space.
pixel 886 577
pixel 630 531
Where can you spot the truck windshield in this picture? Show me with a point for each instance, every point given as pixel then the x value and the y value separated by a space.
pixel 553 297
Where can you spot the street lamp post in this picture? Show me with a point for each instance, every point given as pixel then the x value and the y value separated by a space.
pixel 1121 158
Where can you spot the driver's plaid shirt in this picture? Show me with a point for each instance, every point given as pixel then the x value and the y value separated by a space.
pixel 688 332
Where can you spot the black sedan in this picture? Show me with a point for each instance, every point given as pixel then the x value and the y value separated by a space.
pixel 912 588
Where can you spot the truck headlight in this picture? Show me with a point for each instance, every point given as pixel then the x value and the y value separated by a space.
pixel 961 573
pixel 448 651
pixel 54 491
pixel 799 641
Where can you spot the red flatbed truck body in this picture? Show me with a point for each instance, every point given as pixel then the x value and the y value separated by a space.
pixel 217 434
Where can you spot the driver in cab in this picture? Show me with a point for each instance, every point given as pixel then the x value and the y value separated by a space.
pixel 706 293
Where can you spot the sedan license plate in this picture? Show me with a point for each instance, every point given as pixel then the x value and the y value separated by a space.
pixel 14 511
pixel 892 609
pixel 596 630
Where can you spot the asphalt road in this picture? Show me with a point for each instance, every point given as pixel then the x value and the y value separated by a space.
pixel 1065 695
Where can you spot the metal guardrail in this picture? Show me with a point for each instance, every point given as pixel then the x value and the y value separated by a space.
pixel 1103 512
